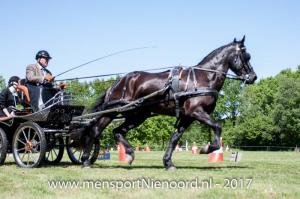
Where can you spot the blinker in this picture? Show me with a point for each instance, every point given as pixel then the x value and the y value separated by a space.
pixel 246 57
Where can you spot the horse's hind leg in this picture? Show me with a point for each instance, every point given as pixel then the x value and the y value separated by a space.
pixel 182 125
pixel 93 135
pixel 120 134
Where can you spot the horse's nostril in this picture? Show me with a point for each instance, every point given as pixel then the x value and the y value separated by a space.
pixel 255 77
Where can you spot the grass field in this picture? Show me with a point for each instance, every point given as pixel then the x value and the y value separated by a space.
pixel 273 174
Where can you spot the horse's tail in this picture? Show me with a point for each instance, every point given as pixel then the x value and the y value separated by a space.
pixel 78 133
pixel 97 106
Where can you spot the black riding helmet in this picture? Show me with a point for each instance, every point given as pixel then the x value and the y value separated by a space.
pixel 42 54
pixel 12 80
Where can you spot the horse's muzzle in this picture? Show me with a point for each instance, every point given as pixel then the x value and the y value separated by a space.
pixel 251 78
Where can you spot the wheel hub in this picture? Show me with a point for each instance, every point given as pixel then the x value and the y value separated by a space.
pixel 28 146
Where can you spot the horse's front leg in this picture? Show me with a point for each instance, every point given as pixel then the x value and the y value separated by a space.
pixel 205 118
pixel 182 126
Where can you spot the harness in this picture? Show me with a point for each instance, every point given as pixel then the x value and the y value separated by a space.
pixel 174 91
pixel 173 79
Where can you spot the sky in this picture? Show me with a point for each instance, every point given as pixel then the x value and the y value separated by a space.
pixel 183 32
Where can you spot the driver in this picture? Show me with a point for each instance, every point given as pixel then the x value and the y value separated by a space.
pixel 38 74
pixel 39 81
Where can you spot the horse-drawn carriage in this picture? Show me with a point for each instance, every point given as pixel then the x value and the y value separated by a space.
pixel 189 93
pixel 40 136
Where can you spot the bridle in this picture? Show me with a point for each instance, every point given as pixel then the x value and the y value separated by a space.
pixel 241 54
pixel 244 57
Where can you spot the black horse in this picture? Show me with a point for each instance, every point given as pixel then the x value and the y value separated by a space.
pixel 208 76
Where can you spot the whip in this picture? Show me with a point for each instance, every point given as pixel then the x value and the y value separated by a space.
pixel 103 57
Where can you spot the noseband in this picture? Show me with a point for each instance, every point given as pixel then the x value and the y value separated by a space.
pixel 244 57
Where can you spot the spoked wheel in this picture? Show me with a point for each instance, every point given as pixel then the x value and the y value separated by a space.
pixel 55 150
pixel 29 145
pixel 3 146
pixel 75 153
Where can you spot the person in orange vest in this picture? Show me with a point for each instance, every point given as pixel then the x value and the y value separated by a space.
pixel 9 99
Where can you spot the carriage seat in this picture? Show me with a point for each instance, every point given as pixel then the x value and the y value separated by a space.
pixel 39 95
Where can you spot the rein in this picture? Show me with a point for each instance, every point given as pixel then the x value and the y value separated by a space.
pixel 229 76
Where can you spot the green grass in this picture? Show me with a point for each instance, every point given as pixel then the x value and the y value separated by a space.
pixel 274 174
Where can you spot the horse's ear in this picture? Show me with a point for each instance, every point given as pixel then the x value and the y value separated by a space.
pixel 234 40
pixel 243 40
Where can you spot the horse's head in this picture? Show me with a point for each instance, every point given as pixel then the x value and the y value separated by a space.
pixel 239 62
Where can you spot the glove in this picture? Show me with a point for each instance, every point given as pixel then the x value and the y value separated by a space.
pixel 49 78
pixel 12 114
pixel 63 85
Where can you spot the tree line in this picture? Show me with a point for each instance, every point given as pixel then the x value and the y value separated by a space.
pixel 266 113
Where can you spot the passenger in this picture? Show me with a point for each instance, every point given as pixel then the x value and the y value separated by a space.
pixel 9 99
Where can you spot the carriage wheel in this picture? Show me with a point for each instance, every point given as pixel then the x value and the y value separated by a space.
pixel 29 145
pixel 55 150
pixel 3 146
pixel 75 154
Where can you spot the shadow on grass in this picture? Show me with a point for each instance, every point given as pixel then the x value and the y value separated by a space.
pixel 162 167
pixel 98 166
pixel 123 166
pixel 43 165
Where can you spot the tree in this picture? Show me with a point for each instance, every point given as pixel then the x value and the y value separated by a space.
pixel 228 101
pixel 2 82
pixel 80 91
pixel 286 114
pixel 270 112
pixel 198 133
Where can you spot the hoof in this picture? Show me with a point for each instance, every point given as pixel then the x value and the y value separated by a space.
pixel 171 168
pixel 86 165
pixel 209 149
pixel 204 150
pixel 213 148
pixel 129 159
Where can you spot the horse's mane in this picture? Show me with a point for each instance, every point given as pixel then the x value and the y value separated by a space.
pixel 213 53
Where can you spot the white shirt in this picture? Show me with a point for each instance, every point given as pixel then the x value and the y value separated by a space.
pixel 14 93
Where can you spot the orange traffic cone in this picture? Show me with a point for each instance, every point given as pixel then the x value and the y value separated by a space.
pixel 147 148
pixel 194 149
pixel 216 156
pixel 137 148
pixel 122 152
